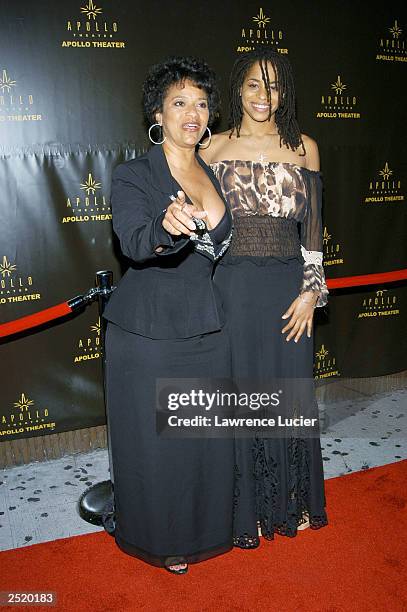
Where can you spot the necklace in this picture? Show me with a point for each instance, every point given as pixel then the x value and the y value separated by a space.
pixel 262 156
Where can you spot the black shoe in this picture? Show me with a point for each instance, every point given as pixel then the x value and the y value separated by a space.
pixel 108 519
pixel 170 561
pixel 182 570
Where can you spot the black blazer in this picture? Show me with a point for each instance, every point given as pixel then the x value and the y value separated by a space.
pixel 168 294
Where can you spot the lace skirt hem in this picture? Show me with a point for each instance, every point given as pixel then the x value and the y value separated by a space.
pixel 253 541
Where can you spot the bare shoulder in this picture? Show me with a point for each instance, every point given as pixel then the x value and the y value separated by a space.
pixel 312 153
pixel 217 142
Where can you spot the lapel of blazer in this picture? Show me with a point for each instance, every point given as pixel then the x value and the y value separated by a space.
pixel 161 177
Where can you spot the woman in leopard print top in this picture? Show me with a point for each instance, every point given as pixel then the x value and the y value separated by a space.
pixel 271 280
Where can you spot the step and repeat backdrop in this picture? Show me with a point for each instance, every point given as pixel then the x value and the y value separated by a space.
pixel 70 110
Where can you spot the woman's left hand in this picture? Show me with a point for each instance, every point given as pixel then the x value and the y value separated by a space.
pixel 302 315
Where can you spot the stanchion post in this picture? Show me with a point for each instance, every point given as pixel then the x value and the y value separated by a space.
pixel 104 282
pixel 96 504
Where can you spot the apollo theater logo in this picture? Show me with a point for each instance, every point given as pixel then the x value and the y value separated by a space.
pixel 385 187
pixel 88 204
pixel 331 250
pixel 325 364
pixel 339 102
pixel 15 287
pixel 89 347
pixel 25 416
pixel 90 29
pixel 259 31
pixel 16 105
pixel 392 45
pixel 381 303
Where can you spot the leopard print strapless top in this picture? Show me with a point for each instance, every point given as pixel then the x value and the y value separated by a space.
pixel 258 188
pixel 276 208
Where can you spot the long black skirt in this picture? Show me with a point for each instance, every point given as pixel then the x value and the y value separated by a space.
pixel 173 497
pixel 278 480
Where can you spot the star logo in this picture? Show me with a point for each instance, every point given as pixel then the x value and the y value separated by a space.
pixel 91 10
pixel 322 353
pixel 338 86
pixel 6 268
pixel 261 19
pixel 326 236
pixel 23 403
pixel 386 172
pixel 6 83
pixel 96 328
pixel 90 185
pixel 395 30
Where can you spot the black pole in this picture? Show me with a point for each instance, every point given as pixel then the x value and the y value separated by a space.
pixel 104 281
pixel 96 504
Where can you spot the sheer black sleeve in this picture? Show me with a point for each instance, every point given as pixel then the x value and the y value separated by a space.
pixel 312 240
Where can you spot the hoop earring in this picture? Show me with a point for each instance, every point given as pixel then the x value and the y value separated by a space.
pixel 149 134
pixel 209 142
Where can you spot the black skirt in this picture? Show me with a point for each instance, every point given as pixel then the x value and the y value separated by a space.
pixel 277 479
pixel 173 497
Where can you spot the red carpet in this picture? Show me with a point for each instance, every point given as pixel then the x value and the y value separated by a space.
pixel 357 563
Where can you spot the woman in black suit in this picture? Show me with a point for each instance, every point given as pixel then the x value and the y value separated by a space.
pixel 173 497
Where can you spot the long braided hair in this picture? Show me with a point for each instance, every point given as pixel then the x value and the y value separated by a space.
pixel 286 122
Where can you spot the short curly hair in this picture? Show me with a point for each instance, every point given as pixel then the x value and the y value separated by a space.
pixel 175 70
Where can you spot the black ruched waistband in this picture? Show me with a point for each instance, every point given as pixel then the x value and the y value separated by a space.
pixel 265 236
